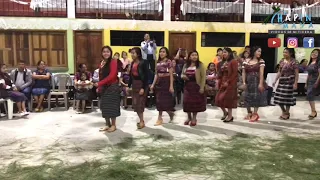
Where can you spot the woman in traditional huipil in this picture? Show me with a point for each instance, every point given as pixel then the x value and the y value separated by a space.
pixel 211 76
pixel 163 85
pixel 255 94
pixel 288 76
pixel 139 82
pixel 109 90
pixel 194 99
pixel 124 81
pixel 227 95
pixel 312 84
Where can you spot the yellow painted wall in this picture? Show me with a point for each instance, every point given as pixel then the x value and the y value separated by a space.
pixel 206 53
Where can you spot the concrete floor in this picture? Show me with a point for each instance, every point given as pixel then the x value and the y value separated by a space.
pixel 27 139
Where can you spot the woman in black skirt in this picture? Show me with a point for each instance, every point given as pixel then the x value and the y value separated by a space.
pixel 109 90
pixel 139 83
pixel 163 84
pixel 194 99
pixel 288 76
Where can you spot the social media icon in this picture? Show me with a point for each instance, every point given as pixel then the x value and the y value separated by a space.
pixel 292 42
pixel 274 42
pixel 308 42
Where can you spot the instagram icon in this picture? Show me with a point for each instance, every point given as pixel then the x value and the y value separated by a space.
pixel 292 42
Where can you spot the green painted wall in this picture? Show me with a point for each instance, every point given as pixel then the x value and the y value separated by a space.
pixel 70 48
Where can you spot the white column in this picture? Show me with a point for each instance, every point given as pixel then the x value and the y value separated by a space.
pixel 247 11
pixel 166 10
pixel 71 11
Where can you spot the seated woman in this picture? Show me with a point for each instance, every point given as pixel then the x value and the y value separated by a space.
pixel 41 86
pixel 83 84
pixel 8 90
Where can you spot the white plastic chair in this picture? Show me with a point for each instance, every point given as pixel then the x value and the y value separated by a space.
pixel 59 83
pixel 8 107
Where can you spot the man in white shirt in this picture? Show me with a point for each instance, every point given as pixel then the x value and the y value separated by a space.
pixel 22 79
pixel 149 49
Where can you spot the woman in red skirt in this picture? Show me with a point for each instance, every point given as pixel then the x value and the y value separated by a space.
pixel 194 99
pixel 163 85
pixel 139 83
pixel 227 96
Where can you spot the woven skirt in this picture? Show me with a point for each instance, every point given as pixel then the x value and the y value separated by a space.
pixel 17 96
pixel 138 101
pixel 284 94
pixel 110 101
pixel 252 95
pixel 164 98
pixel 193 101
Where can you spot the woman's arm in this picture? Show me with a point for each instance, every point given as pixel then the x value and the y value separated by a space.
pixel 112 75
pixel 177 57
pixel 262 65
pixel 243 73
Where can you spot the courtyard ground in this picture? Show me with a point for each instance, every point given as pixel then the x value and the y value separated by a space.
pixel 62 145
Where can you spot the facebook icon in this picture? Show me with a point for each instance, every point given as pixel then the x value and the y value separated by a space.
pixel 308 42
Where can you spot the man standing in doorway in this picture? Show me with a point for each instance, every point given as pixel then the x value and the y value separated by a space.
pixel 149 49
pixel 22 78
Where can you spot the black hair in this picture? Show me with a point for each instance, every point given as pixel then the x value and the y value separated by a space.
pixel 253 50
pixel 242 55
pixel 210 65
pixel 167 52
pixel 291 51
pixel 39 62
pixel 21 61
pixel 123 52
pixel 247 47
pixel 188 62
pixel 318 59
pixel 80 67
pixel 302 61
pixel 230 54
pixel 138 51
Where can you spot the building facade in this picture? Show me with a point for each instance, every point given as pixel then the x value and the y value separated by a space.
pixel 65 33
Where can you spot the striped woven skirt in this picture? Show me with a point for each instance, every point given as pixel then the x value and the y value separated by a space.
pixel 193 101
pixel 138 101
pixel 284 94
pixel 164 98
pixel 110 101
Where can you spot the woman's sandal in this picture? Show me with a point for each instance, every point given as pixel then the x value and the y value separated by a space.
pixel 140 125
pixel 224 117
pixel 254 119
pixel 159 122
pixel 286 116
pixel 314 116
pixel 248 117
pixel 112 129
pixel 104 128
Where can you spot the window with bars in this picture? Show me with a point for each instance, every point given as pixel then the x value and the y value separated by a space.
pixel 219 39
pixel 134 38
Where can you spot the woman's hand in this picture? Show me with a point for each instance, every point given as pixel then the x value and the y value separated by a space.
pixel 315 85
pixel 126 85
pixel 141 92
pixel 261 88
pixel 151 87
pixel 95 84
pixel 295 86
pixel 171 90
pixel 185 78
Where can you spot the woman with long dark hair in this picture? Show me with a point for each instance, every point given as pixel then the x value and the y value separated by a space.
pixel 9 90
pixel 163 85
pixel 194 99
pixel 227 95
pixel 83 85
pixel 288 76
pixel 41 86
pixel 139 83
pixel 253 80
pixel 312 84
pixel 109 90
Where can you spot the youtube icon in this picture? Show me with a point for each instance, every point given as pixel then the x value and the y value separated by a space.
pixel 274 42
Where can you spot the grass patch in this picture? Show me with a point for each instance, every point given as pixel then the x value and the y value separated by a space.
pixel 241 157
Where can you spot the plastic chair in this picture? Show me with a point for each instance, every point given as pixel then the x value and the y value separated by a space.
pixel 8 107
pixel 59 83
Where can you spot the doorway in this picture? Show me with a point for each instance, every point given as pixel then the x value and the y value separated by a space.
pixel 88 46
pixel 181 40
pixel 268 54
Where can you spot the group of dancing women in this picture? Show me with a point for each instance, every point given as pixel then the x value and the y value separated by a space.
pixel 220 81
